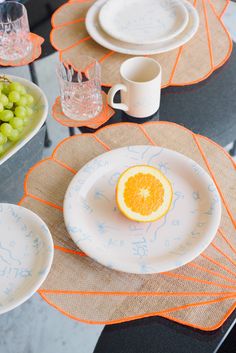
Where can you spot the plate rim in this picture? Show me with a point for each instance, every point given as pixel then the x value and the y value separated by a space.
pixel 149 50
pixel 50 256
pixel 102 16
pixel 170 268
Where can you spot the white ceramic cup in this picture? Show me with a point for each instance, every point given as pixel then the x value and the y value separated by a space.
pixel 140 87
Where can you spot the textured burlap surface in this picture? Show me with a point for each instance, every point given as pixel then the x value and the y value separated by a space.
pixel 191 63
pixel 201 294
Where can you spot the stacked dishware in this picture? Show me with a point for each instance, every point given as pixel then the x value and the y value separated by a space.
pixel 138 27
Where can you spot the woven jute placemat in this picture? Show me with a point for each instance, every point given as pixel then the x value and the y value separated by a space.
pixel 201 294
pixel 195 61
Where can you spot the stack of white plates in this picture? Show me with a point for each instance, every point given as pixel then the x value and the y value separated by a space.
pixel 138 27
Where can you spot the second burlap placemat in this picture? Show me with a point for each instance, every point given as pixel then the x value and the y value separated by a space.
pixel 195 61
pixel 201 294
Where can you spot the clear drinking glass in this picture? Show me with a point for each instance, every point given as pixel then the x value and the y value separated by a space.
pixel 80 88
pixel 14 31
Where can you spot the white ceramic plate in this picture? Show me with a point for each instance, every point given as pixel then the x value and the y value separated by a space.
pixel 143 22
pixel 95 31
pixel 26 254
pixel 103 233
pixel 40 108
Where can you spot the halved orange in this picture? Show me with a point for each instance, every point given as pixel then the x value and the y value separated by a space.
pixel 143 193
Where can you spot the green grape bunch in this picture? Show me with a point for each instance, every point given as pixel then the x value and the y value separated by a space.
pixel 15 111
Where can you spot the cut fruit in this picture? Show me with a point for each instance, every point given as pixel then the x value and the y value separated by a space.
pixel 143 193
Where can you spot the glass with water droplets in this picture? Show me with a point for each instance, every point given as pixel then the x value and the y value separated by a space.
pixel 15 42
pixel 80 88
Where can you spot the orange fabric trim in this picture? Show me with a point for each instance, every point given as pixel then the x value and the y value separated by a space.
pixel 214 179
pixel 226 240
pixel 201 268
pixel 67 139
pixel 44 201
pixel 74 45
pixel 70 23
pixel 106 56
pixel 70 251
pixel 225 268
pixel 138 294
pixel 64 165
pixel 214 327
pixel 222 253
pixel 178 57
pixel 175 65
pixel 224 9
pixel 192 279
pixel 208 34
pixel 219 147
pixel 146 135
pixel 101 142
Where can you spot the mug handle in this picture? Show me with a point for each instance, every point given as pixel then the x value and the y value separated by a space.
pixel 111 94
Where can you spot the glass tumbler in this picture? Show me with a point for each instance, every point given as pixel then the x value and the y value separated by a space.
pixel 80 88
pixel 14 31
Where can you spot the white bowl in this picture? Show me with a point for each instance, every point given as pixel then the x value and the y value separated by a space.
pixel 39 116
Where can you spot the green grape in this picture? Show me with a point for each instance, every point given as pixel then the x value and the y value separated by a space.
pixel 1 107
pixel 1 86
pixel 6 129
pixel 1 149
pixel 20 112
pixel 30 99
pixel 22 90
pixel 14 136
pixel 14 96
pixel 3 139
pixel 4 99
pixel 17 123
pixel 5 88
pixel 29 111
pixel 9 105
pixel 15 86
pixel 23 101
pixel 26 120
pixel 6 115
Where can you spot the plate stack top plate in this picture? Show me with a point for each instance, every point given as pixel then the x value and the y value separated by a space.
pixel 104 39
pixel 143 22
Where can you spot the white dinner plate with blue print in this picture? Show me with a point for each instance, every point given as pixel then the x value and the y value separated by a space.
pixel 96 225
pixel 26 254
pixel 143 22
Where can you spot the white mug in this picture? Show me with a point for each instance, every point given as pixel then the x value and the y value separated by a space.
pixel 140 87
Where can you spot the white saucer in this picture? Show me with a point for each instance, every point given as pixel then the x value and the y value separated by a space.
pixel 143 22
pixel 95 31
pixel 96 225
pixel 26 254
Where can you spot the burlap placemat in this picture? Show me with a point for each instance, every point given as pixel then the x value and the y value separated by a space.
pixel 201 294
pixel 94 123
pixel 189 64
pixel 34 54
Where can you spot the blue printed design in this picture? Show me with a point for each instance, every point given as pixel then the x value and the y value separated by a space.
pixel 112 238
pixel 140 247
pixel 22 237
pixel 103 228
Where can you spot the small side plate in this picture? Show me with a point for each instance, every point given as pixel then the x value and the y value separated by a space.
pixel 26 254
